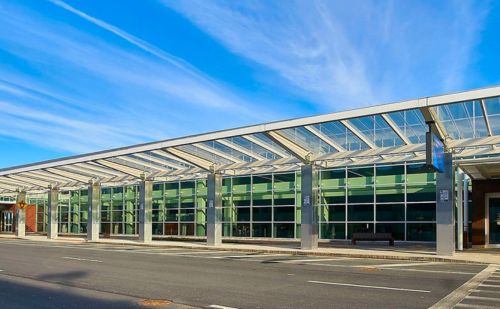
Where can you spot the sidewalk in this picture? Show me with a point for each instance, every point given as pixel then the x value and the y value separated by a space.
pixel 398 252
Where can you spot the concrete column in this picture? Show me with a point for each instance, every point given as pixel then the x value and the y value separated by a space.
pixel 214 209
pixel 94 216
pixel 309 203
pixel 145 211
pixel 445 205
pixel 459 209
pixel 21 214
pixel 53 212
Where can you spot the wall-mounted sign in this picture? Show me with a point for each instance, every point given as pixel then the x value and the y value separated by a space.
pixel 210 204
pixel 444 195
pixel 434 152
pixel 307 200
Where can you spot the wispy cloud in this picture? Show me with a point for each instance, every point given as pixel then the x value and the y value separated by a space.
pixel 348 53
pixel 68 89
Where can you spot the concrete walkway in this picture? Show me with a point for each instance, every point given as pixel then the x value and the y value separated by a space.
pixel 398 252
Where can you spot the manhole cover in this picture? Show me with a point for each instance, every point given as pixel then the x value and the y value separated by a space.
pixel 154 302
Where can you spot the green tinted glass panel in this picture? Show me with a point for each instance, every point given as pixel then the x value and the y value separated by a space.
pixel 391 212
pixel 284 214
pixel 332 230
pixel 284 230
pixel 262 199
pixel 396 229
pixel 359 228
pixel 262 213
pixel 388 194
pixel 333 196
pixel 391 174
pixel 421 212
pixel 360 177
pixel 262 230
pixel 360 212
pixel 421 193
pixel 421 232
pixel 333 178
pixel 360 195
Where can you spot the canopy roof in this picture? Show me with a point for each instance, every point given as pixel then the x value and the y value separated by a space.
pixel 468 122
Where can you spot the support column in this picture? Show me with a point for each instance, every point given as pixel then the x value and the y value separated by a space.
pixel 466 212
pixel 145 211
pixel 445 227
pixel 309 203
pixel 53 212
pixel 21 214
pixel 214 209
pixel 94 216
pixel 459 209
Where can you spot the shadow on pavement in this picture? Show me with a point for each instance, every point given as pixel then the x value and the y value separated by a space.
pixel 16 292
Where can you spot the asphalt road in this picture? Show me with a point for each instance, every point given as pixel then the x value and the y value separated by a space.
pixel 56 275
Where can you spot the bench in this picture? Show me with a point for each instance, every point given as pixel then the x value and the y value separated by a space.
pixel 373 237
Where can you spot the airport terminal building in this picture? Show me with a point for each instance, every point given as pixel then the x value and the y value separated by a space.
pixel 317 178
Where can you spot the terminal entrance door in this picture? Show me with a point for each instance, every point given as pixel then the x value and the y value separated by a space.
pixel 6 220
pixel 493 223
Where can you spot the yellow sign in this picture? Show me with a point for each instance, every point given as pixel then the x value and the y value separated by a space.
pixel 22 205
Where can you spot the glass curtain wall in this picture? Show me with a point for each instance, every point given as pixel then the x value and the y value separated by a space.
pixel 260 206
pixel 73 211
pixel 397 199
pixel 179 208
pixel 119 210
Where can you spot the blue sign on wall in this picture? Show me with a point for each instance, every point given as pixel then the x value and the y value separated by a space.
pixel 435 152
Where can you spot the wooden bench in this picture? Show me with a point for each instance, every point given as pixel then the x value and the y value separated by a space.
pixel 373 237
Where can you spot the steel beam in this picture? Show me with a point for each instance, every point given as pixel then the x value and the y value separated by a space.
pixel 191 159
pixel 360 135
pixel 266 146
pixel 396 129
pixel 122 168
pixel 486 119
pixel 297 151
pixel 324 138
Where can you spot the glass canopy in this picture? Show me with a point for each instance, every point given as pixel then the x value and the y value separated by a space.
pixel 468 122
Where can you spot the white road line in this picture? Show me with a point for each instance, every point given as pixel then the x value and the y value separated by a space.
pixel 246 256
pixel 221 307
pixel 485 291
pixel 472 306
pixel 369 286
pixel 399 265
pixel 455 297
pixel 312 260
pixel 398 269
pixel 490 285
pixel 493 299
pixel 492 280
pixel 81 259
pixel 199 252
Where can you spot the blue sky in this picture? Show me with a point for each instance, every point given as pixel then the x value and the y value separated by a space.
pixel 86 75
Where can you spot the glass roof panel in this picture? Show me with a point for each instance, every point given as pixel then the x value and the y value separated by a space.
pixel 252 147
pixel 196 151
pixel 462 120
pixel 266 140
pixel 341 135
pixel 412 124
pixel 307 140
pixel 377 130
pixel 170 160
pixel 229 151
pixel 493 110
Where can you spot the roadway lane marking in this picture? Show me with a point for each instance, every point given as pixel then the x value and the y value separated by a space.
pixel 485 291
pixel 483 298
pixel 369 286
pixel 474 306
pixel 221 307
pixel 246 256
pixel 490 285
pixel 454 298
pixel 400 265
pixel 312 260
pixel 81 259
